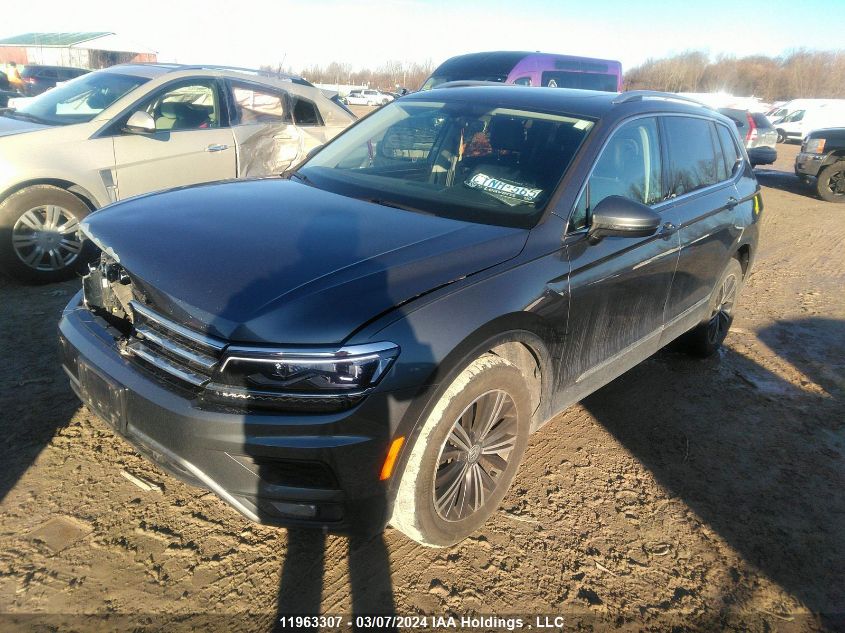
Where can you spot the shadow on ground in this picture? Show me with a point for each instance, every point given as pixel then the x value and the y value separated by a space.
pixel 30 410
pixel 759 458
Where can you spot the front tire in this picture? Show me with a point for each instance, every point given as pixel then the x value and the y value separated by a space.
pixel 830 184
pixel 466 455
pixel 705 339
pixel 40 241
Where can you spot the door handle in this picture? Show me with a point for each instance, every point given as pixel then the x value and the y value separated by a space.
pixel 667 230
pixel 732 202
pixel 216 148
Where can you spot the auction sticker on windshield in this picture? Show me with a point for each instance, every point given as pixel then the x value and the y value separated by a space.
pixel 508 192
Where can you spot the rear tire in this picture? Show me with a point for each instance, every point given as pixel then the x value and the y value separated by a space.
pixel 456 474
pixel 830 184
pixel 705 339
pixel 40 241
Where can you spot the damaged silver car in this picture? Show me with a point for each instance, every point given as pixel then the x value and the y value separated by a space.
pixel 136 128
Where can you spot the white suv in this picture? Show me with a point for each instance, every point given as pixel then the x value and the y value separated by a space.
pixel 368 97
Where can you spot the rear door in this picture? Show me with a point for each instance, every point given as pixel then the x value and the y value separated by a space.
pixel 192 143
pixel 701 207
pixel 309 123
pixel 619 286
pixel 267 140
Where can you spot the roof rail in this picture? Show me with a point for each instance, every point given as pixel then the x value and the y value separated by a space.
pixel 641 95
pixel 250 71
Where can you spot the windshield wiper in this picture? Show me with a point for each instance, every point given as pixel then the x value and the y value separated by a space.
pixel 25 116
pixel 302 178
pixel 394 205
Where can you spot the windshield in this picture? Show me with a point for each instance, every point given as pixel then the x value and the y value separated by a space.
pixel 79 100
pixel 473 162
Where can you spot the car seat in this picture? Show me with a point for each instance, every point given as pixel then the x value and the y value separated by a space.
pixel 174 115
pixel 508 145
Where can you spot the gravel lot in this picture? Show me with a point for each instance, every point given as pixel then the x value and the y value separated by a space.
pixel 686 493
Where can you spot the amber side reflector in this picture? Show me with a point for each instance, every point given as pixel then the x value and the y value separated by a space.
pixel 390 460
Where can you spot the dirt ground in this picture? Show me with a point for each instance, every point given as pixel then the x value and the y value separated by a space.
pixel 687 494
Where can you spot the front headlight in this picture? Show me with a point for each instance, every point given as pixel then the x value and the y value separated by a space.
pixel 300 380
pixel 814 146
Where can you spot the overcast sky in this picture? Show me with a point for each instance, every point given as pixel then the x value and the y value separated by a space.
pixel 366 33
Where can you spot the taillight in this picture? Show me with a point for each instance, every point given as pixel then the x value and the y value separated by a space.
pixel 28 80
pixel 752 128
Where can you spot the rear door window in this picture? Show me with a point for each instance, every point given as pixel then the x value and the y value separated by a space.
pixel 693 160
pixel 256 104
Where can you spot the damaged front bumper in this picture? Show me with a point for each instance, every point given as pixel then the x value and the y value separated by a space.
pixel 276 468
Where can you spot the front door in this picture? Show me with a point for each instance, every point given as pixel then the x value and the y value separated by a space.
pixel 192 143
pixel 619 286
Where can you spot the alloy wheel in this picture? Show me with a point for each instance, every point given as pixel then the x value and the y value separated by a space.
pixel 836 183
pixel 720 320
pixel 475 455
pixel 47 238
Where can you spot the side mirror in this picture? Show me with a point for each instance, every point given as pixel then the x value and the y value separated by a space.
pixel 616 216
pixel 140 123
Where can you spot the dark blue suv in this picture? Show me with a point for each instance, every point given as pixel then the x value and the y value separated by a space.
pixel 372 339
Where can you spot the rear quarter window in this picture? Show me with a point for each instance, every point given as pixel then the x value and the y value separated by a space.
pixel 305 112
pixel 729 150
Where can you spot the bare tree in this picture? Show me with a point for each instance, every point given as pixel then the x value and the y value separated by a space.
pixel 800 73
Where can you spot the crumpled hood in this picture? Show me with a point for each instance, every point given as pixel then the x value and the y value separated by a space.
pixel 9 126
pixel 275 261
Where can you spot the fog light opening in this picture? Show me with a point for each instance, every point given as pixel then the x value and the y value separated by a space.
pixel 296 510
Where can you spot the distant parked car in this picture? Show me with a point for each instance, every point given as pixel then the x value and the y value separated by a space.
pixel 38 78
pixel 822 163
pixel 132 129
pixel 757 134
pixel 784 109
pixel 368 97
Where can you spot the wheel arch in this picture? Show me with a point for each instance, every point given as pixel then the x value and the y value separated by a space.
pixel 520 338
pixel 80 192
pixel 743 255
pixel 834 157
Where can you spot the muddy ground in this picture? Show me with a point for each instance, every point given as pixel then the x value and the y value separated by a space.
pixel 699 494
